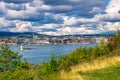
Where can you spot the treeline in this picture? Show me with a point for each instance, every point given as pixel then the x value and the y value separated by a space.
pixel 11 67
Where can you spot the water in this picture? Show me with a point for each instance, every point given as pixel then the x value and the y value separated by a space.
pixel 43 53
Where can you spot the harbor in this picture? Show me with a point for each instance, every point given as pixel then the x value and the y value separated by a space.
pixel 42 53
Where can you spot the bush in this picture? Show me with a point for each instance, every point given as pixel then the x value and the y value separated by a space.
pixel 17 75
pixel 114 41
pixel 9 60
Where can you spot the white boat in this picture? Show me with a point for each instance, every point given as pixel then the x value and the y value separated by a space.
pixel 21 48
pixel 86 43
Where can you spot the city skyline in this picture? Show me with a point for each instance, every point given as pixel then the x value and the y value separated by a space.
pixel 63 17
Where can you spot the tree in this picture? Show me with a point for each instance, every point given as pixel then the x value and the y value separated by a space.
pixel 118 32
pixel 9 60
pixel 51 66
pixel 114 42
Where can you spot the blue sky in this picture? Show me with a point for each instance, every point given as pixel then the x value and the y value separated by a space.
pixel 60 17
pixel 107 2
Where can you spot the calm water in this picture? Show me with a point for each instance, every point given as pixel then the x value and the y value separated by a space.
pixel 43 53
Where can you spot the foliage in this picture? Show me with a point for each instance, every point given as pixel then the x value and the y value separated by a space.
pixel 17 75
pixel 114 41
pixel 51 66
pixel 8 59
pixel 11 67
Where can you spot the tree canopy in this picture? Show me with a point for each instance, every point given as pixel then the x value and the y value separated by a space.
pixel 8 58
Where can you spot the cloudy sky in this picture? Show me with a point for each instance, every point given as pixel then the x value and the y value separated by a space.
pixel 60 17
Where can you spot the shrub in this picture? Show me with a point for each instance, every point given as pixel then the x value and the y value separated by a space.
pixel 9 60
pixel 114 41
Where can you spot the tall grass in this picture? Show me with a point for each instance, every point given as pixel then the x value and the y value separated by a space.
pixel 77 71
pixel 109 73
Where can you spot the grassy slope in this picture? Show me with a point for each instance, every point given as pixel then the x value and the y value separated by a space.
pixel 103 68
pixel 110 73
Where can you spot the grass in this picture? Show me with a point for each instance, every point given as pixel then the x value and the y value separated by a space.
pixel 98 69
pixel 111 73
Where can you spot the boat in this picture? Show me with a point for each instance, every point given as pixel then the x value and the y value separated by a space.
pixel 21 48
pixel 86 43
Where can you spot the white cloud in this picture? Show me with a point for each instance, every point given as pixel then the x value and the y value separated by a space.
pixel 4 24
pixel 112 12
pixel 21 26
pixel 113 7
pixel 96 10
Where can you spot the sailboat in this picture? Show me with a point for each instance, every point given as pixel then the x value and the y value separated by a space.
pixel 21 48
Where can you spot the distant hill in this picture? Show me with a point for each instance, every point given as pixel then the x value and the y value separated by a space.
pixel 19 34
pixel 110 33
pixel 30 34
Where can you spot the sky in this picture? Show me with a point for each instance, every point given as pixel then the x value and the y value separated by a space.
pixel 60 17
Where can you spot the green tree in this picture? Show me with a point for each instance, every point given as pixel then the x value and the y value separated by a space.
pixel 9 60
pixel 114 42
pixel 51 66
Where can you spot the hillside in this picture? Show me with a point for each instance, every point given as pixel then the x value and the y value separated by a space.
pixel 19 34
pixel 106 68
pixel 101 62
pixel 30 34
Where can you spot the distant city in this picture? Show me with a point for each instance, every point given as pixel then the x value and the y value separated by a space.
pixel 35 39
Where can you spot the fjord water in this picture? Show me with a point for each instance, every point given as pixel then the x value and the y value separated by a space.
pixel 42 53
